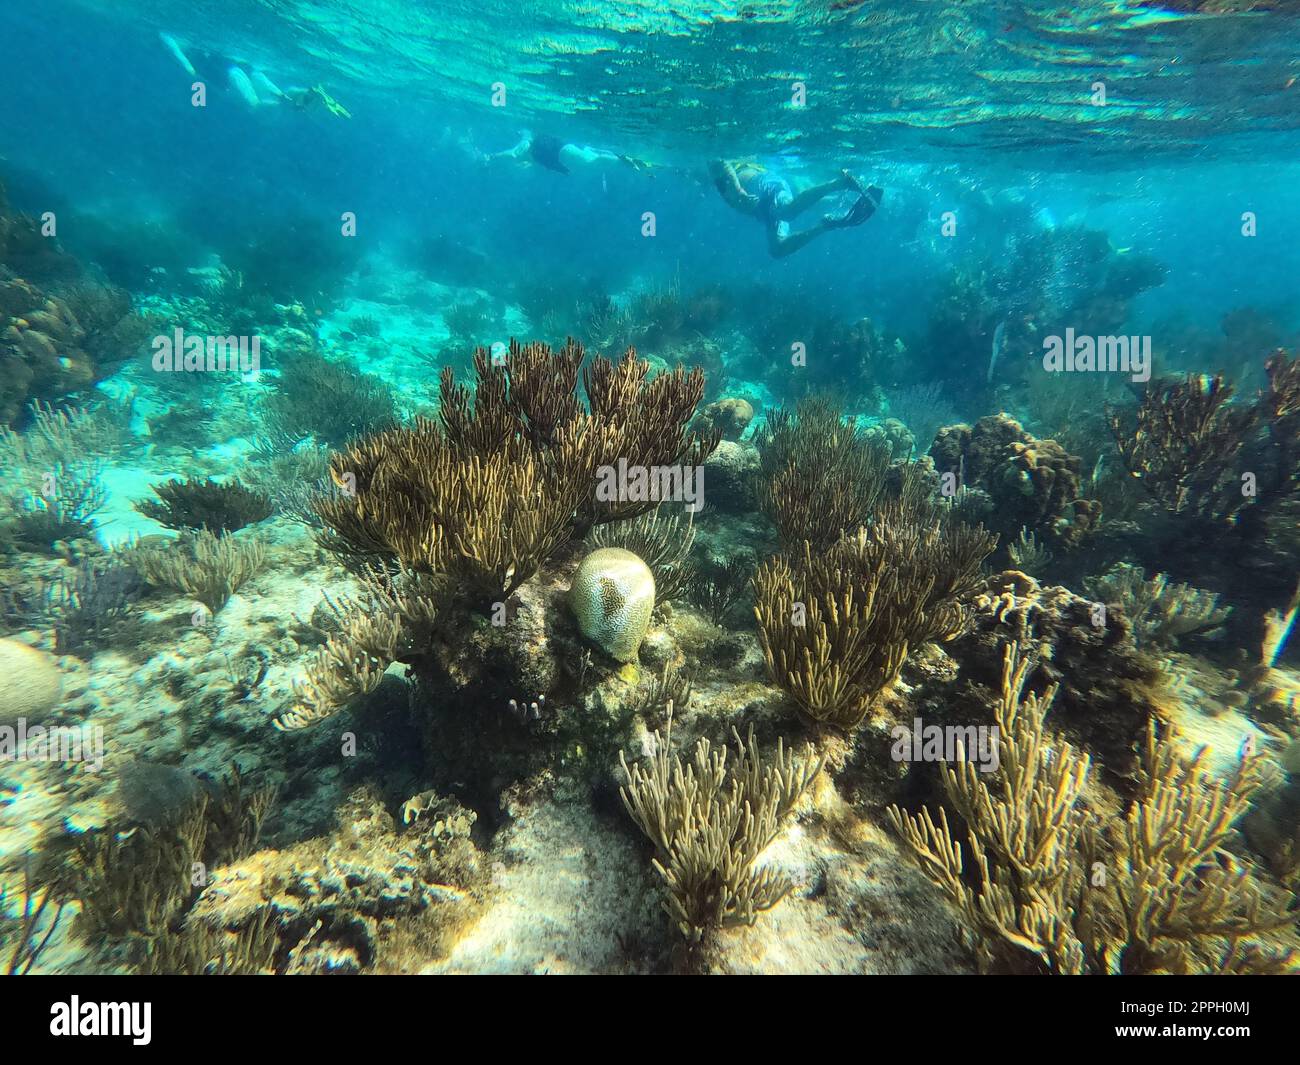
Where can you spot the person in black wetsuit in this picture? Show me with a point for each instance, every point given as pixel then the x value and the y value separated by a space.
pixel 550 152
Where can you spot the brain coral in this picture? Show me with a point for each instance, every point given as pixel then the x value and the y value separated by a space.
pixel 30 683
pixel 612 596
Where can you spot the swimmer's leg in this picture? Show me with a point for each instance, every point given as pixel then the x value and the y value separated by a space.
pixel 781 242
pixel 174 47
pixel 801 201
pixel 585 155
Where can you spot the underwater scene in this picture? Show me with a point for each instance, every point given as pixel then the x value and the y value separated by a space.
pixel 619 487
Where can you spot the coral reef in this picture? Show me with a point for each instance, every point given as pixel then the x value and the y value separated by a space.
pixel 1199 453
pixel 1218 487
pixel 135 876
pixel 486 632
pixel 1113 690
pixel 55 339
pixel 366 897
pixel 493 490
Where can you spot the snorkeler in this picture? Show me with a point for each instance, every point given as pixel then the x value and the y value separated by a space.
pixel 752 190
pixel 257 90
pixel 555 154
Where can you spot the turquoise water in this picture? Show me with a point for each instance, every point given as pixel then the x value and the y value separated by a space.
pixel 897 212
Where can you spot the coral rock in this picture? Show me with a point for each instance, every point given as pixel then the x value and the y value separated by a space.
pixel 30 682
pixel 1034 484
pixel 1109 689
pixel 731 417
pixel 729 476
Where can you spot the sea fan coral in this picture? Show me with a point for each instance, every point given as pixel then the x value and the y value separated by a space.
pixel 510 474
pixel 201 503
pixel 1052 889
pixel 710 821
pixel 837 626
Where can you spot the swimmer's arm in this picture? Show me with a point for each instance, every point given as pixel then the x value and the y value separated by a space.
pixel 519 151
pixel 728 184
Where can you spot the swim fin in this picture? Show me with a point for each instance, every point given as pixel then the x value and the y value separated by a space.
pixel 860 210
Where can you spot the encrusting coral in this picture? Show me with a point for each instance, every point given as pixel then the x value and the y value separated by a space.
pixel 1050 887
pixel 837 626
pixel 1113 689
pixel 710 821
pixel 54 339
pixel 484 496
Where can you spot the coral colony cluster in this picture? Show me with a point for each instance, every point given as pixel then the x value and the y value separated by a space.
pixel 357 655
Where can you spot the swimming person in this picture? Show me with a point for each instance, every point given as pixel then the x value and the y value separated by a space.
pixel 753 190
pixel 255 89
pixel 555 154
